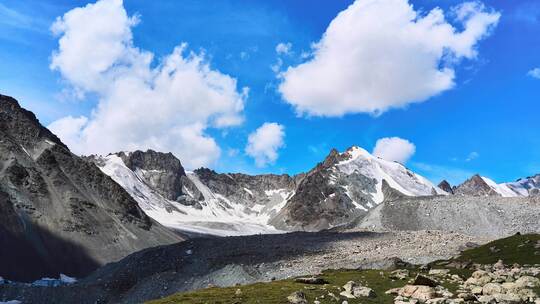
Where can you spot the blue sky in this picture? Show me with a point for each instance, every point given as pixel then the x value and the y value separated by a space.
pixel 487 122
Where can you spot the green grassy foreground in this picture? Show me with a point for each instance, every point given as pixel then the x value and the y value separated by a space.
pixel 277 292
pixel 515 249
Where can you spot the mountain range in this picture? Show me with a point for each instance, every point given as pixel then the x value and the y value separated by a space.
pixel 69 214
pixel 341 188
pixel 483 186
pixel 336 192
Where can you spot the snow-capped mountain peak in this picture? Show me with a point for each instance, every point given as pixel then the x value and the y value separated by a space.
pixel 340 189
pixel 345 186
pixel 396 175
pixel 484 186
pixel 502 189
pixel 529 186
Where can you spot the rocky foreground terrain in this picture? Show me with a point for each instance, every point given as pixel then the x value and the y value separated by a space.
pixel 194 264
pixel 503 271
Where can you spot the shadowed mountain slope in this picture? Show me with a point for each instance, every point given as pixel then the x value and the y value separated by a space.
pixel 59 213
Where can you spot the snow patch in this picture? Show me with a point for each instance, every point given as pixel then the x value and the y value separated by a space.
pixel 248 191
pixel 395 174
pixel 218 215
pixel 502 189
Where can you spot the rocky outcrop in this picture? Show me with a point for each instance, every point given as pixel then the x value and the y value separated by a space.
pixel 162 171
pixel 445 186
pixel 475 186
pixel 353 290
pixel 495 283
pixel 59 213
pixel 499 283
pixel 344 187
pixel 247 189
pixel 526 186
pixel 329 205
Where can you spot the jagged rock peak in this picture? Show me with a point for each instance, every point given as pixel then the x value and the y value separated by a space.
pixel 345 186
pixel 445 186
pixel 202 171
pixel 152 160
pixel 22 125
pixel 335 157
pixel 476 186
pixel 162 171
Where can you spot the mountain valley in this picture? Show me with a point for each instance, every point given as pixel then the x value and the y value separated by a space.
pixel 137 226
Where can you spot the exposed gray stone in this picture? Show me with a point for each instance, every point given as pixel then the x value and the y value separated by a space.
pixel 59 211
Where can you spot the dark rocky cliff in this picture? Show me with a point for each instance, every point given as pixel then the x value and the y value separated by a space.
pixel 59 213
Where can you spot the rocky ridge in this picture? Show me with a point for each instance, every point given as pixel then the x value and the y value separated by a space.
pixel 162 171
pixel 476 186
pixel 445 186
pixel 336 192
pixel 59 213
pixel 202 201
pixel 344 187
pixel 483 186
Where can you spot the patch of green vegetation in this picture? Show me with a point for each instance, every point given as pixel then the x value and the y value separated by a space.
pixel 515 249
pixel 276 292
pixel 375 279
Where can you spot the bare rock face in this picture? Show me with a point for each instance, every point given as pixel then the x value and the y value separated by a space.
pixel 529 185
pixel 445 185
pixel 337 192
pixel 162 171
pixel 59 213
pixel 318 204
pixel 534 192
pixel 475 186
pixel 344 187
pixel 246 189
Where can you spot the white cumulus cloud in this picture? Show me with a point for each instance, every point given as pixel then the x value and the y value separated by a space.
pixel 70 127
pixel 382 54
pixel 166 107
pixel 394 149
pixel 284 48
pixel 264 143
pixel 535 73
